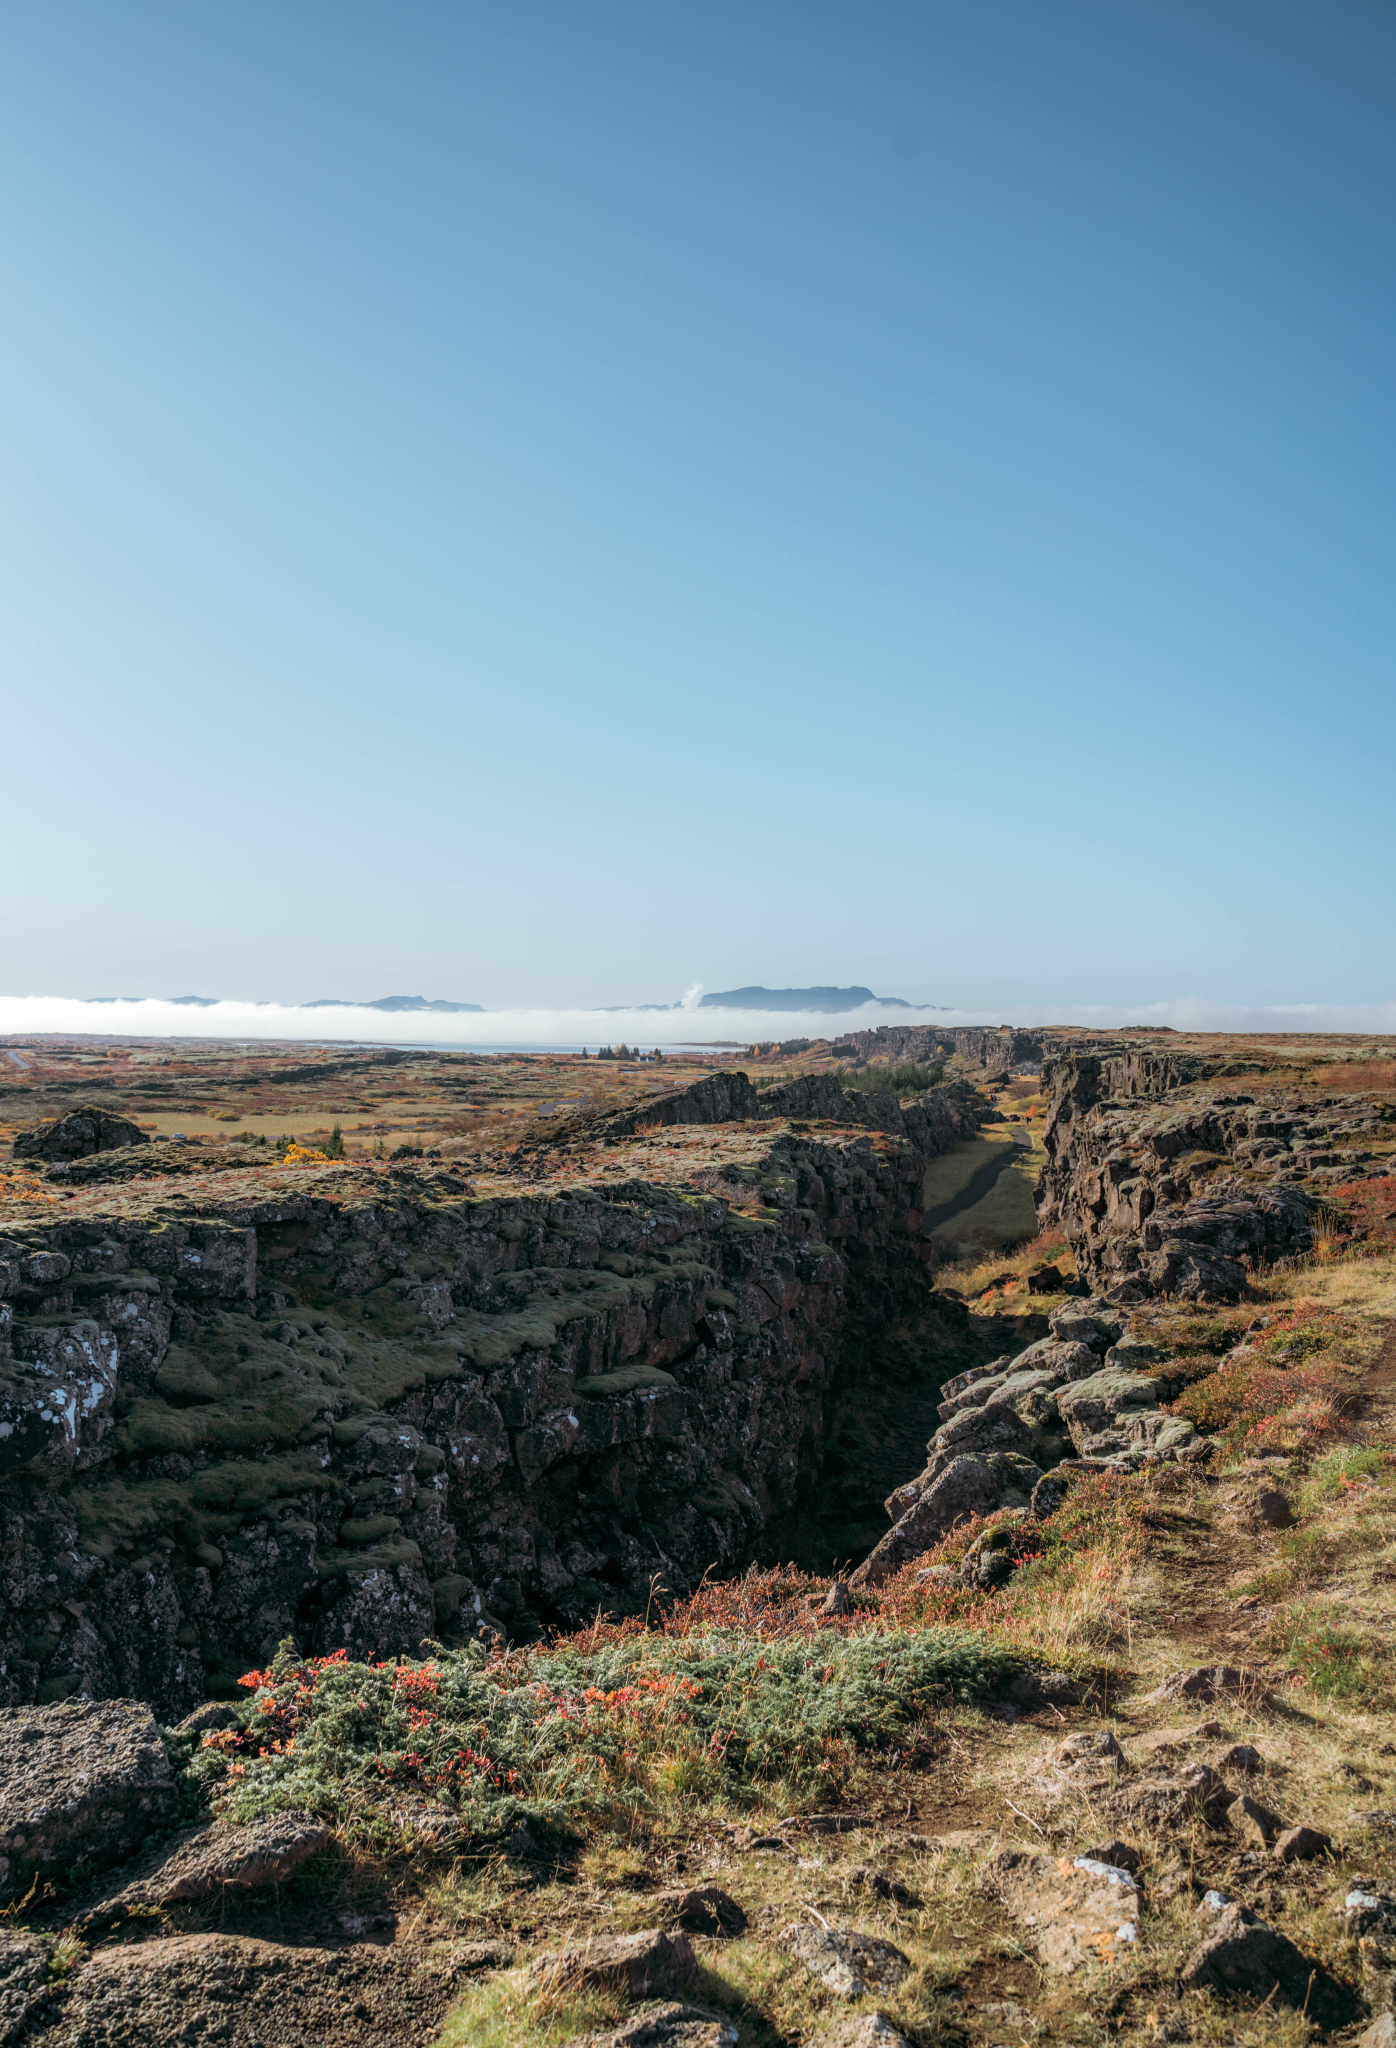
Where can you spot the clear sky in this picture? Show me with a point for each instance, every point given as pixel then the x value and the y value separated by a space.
pixel 548 503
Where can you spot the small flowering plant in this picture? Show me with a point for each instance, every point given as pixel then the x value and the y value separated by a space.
pixel 585 1725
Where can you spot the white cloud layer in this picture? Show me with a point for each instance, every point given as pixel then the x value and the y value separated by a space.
pixel 25 1016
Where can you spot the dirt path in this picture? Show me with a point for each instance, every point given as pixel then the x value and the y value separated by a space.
pixel 1206 1557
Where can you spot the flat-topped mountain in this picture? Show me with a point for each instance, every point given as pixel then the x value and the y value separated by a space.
pixel 828 999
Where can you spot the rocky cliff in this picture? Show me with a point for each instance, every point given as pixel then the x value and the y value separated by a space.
pixel 1011 1429
pixel 976 1045
pixel 1165 1183
pixel 364 1406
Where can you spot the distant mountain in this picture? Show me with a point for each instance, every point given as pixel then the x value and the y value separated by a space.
pixel 393 1003
pixel 829 1000
pixel 325 1003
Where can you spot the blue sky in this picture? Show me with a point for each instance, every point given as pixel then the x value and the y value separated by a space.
pixel 548 504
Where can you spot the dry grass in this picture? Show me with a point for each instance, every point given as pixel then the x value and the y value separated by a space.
pixel 1141 1575
pixel 982 1276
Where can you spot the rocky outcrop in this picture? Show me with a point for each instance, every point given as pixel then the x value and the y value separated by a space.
pixel 78 1784
pixel 179 1988
pixel 933 1123
pixel 1069 1399
pixel 385 1407
pixel 666 2023
pixel 1079 1910
pixel 77 1135
pixel 984 1046
pixel 643 1965
pixel 1242 1955
pixel 1165 1186
pixel 215 1858
pixel 847 1963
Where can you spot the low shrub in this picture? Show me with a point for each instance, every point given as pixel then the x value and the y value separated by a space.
pixel 981 1274
pixel 1285 1390
pixel 1066 1599
pixel 1337 1663
pixel 1366 1209
pixel 1245 1403
pixel 586 1727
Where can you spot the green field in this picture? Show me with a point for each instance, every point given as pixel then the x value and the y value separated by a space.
pixel 1004 1213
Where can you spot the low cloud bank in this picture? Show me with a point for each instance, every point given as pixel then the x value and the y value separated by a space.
pixel 26 1016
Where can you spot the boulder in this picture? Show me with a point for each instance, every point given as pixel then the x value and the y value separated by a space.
pixel 1031 1396
pixel 78 1135
pixel 1093 1322
pixel 247 1855
pixel 642 1965
pixel 976 1375
pixel 973 1396
pixel 1381 2033
pixel 1272 1507
pixel 1091 1405
pixel 171 1991
pixel 860 2030
pixel 1120 1854
pixel 1078 1910
pixel 1242 1954
pixel 1163 1798
pixel 699 1909
pixel 1256 1823
pixel 1210 1682
pixel 80 1783
pixel 1366 1911
pixel 1066 1358
pixel 1299 1845
pixel 667 2025
pixel 977 1432
pixel 967 1486
pixel 1154 1439
pixel 845 1962
pixel 1049 1493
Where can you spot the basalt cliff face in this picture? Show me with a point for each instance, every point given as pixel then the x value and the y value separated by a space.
pixel 365 1407
pixel 985 1046
pixel 1165 1183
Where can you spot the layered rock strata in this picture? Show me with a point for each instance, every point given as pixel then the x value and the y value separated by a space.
pixel 1165 1185
pixel 363 1408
